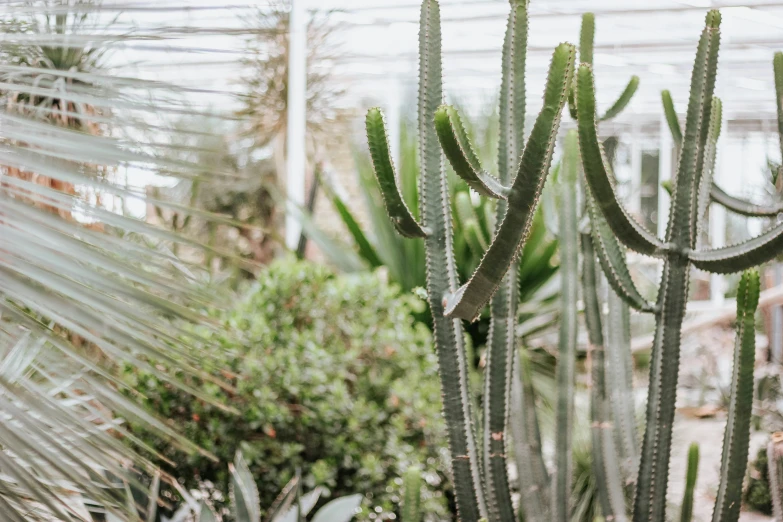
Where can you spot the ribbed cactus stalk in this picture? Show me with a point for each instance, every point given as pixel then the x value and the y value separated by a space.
pixel 523 168
pixel 566 350
pixel 736 437
pixel 411 504
pixel 775 467
pixel 678 251
pixel 691 474
pixel 606 464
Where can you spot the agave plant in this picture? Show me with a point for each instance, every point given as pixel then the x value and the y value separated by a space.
pixel 291 505
pixel 82 287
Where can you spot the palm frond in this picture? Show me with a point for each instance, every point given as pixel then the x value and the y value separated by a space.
pixel 89 114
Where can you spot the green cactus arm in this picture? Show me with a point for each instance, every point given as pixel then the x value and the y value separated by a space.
pixel 587 38
pixel 411 504
pixel 534 481
pixel 705 189
pixel 743 207
pixel 622 102
pixel 691 474
pixel 707 127
pixel 459 151
pixel 736 436
pixel 398 211
pixel 775 468
pixel 442 277
pixel 611 256
pixel 468 301
pixel 652 479
pixel 736 205
pixel 742 256
pixel 565 371
pixel 606 463
pixel 501 345
pixel 671 117
pixel 777 66
pixel 619 380
pixel 633 235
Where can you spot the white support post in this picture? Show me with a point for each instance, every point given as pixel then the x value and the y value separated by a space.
pixel 665 168
pixel 296 151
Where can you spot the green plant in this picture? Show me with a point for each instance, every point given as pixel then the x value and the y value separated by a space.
pixel 679 253
pixel 83 288
pixel 774 475
pixel 691 474
pixel 759 495
pixel 379 246
pixel 712 190
pixel 329 375
pixel 480 480
pixel 290 505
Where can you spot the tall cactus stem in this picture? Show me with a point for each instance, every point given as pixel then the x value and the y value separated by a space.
pixel 775 468
pixel 534 482
pixel 736 438
pixel 606 463
pixel 411 505
pixel 569 261
pixel 691 474
pixel 503 304
pixel 442 278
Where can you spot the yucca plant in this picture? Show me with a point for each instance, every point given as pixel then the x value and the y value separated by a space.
pixel 82 287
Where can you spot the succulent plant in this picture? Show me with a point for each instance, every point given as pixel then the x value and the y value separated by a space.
pixel 480 467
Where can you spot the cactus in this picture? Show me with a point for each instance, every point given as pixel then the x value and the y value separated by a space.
pixel 480 493
pixel 411 504
pixel 775 467
pixel 678 250
pixel 606 465
pixel 736 437
pixel 566 353
pixel 711 191
pixel 691 474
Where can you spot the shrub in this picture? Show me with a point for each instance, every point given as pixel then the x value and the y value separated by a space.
pixel 332 377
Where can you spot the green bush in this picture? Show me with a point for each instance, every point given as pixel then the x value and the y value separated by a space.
pixel 332 377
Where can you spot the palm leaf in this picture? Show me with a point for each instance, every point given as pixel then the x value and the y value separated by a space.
pixel 86 285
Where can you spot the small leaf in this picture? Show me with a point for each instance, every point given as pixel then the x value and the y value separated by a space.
pixel 339 510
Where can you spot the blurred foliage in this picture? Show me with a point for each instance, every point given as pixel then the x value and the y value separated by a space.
pixel 757 496
pixel 332 376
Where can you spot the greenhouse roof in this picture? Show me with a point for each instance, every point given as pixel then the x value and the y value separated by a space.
pixel 654 40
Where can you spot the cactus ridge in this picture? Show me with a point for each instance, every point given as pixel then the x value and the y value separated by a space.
pixel 503 305
pixel 442 277
pixel 736 438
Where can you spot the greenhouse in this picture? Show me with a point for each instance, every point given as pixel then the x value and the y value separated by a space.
pixel 416 260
